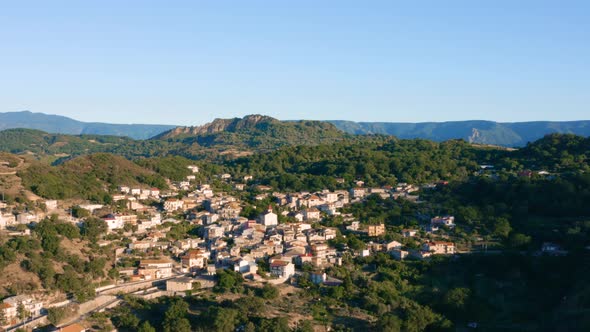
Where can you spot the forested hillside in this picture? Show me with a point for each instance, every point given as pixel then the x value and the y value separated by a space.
pixel 93 177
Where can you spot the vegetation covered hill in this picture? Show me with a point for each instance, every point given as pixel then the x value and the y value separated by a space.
pixel 482 132
pixel 377 161
pixel 89 177
pixel 64 125
pixel 560 152
pixel 220 139
pixel 256 132
pixel 42 143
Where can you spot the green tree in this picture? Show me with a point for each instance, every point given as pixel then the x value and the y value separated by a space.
pixel 305 326
pixel 388 323
pixel 502 227
pixel 224 319
pixel 457 298
pixel 146 327
pixel 92 228
pixel 56 315
pixel 79 212
pixel 519 240
pixel 228 281
pixel 269 292
pixel 175 317
pixel 21 312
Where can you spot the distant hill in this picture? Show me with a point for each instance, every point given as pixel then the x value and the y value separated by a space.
pixel 255 133
pixel 482 132
pixel 42 143
pixel 90 177
pixel 225 138
pixel 63 125
pixel 262 133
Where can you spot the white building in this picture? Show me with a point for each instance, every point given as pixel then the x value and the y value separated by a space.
pixel 311 214
pixel 282 269
pixel 155 268
pixel 113 222
pixel 173 205
pixel 29 304
pixel 448 221
pixel 269 218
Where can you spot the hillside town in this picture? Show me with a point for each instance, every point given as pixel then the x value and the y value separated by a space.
pixel 285 239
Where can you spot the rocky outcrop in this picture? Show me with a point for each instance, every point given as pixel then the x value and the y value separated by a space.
pixel 220 125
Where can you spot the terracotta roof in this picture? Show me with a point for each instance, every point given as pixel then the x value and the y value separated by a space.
pixel 73 328
pixel 279 263
pixel 4 305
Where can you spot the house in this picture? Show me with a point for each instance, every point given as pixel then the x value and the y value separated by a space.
pixel 269 219
pixel 376 230
pixel 311 214
pixel 140 245
pixel 8 310
pixel 155 268
pixel 245 265
pixel 113 222
pixel 314 200
pixel 420 254
pixel 357 192
pixel 330 197
pixel 282 269
pixel 392 245
pixel 155 192
pixel 181 284
pixel 173 205
pixel 399 254
pixel 409 232
pixel 26 218
pixel 213 232
pixel 51 205
pixel 193 168
pixel 448 221
pixel 194 260
pixel 439 247
pixel 297 215
pixel 354 226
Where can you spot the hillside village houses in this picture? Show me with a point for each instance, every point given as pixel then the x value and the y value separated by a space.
pixel 287 235
pixel 448 221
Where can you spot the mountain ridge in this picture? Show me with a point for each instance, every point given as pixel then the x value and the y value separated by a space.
pixel 512 134
pixel 58 124
pixel 508 134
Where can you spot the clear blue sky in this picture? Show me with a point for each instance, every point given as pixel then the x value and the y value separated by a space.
pixel 187 62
